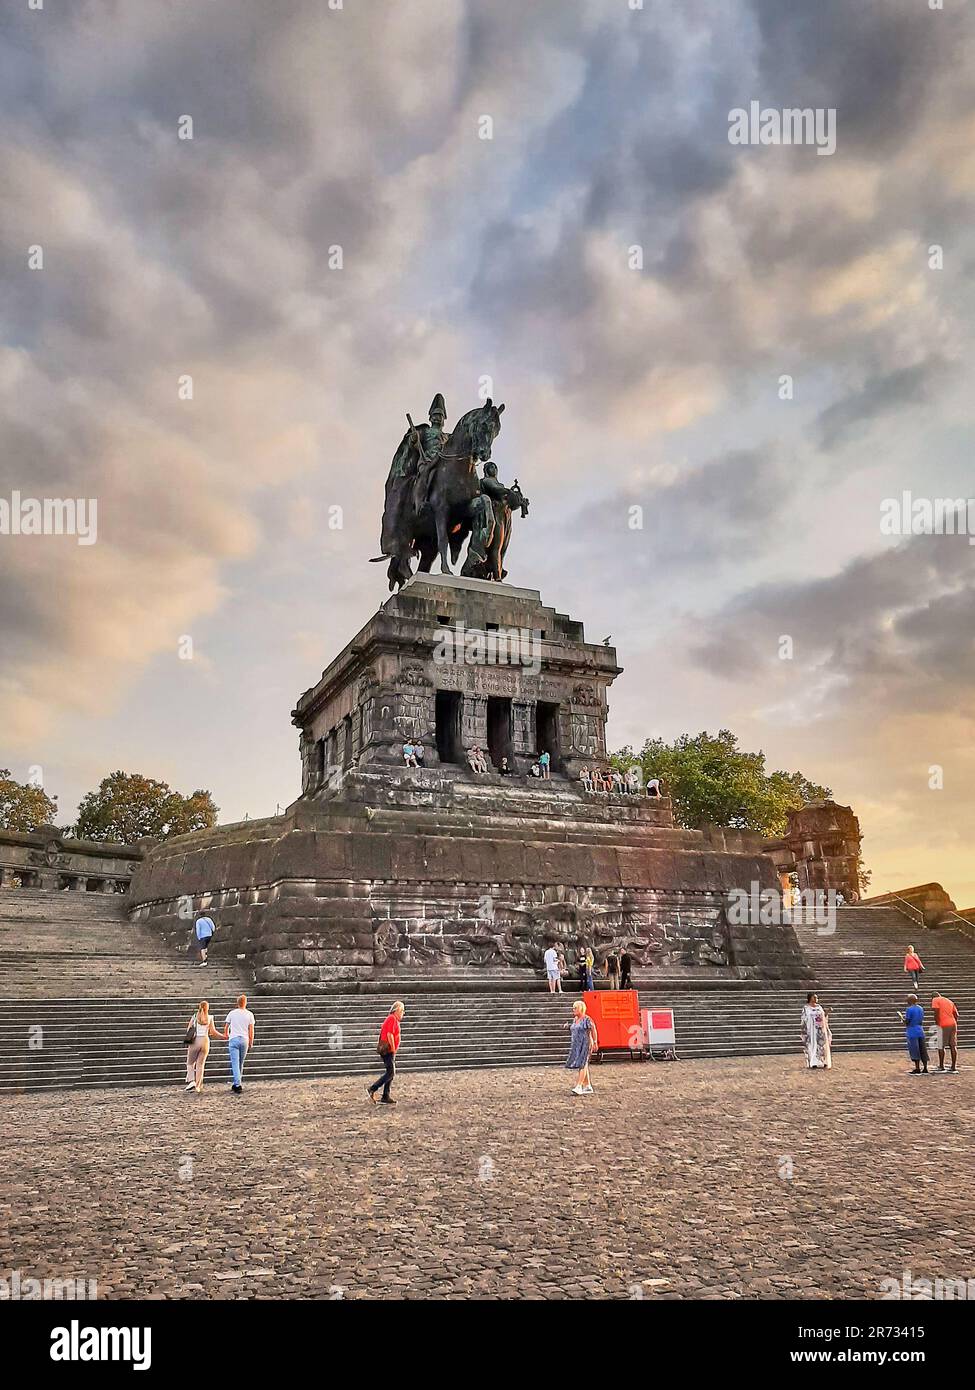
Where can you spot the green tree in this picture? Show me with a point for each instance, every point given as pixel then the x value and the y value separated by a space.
pixel 128 806
pixel 864 875
pixel 711 780
pixel 22 806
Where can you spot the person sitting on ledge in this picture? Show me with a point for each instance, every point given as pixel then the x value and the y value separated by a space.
pixel 409 755
pixel 617 780
pixel 585 779
pixel 418 754
pixel 504 769
pixel 653 787
pixel 534 770
pixel 476 759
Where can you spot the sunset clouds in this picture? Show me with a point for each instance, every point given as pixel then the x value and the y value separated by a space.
pixel 657 384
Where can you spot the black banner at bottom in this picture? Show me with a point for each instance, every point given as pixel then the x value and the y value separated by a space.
pixel 68 1340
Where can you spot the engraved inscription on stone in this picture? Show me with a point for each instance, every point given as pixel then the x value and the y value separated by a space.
pixel 487 680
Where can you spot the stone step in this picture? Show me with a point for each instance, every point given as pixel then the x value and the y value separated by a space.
pixel 112 1001
pixel 111 1043
pixel 28 902
pixel 83 945
pixel 706 1003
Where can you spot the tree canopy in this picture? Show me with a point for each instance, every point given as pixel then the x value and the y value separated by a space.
pixel 128 806
pixel 24 806
pixel 712 780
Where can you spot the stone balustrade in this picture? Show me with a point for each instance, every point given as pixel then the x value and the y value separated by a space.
pixel 44 859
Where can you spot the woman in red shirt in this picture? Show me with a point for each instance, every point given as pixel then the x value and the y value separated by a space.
pixel 387 1047
pixel 912 964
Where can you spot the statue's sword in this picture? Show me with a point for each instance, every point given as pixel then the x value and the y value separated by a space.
pixel 416 438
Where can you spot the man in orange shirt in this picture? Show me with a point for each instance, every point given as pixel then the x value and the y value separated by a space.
pixel 946 1017
pixel 387 1047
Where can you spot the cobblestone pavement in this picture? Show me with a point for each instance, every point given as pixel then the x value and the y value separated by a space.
pixel 726 1179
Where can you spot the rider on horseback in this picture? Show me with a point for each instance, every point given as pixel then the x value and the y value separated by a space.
pixel 430 441
pixel 414 465
pixel 435 500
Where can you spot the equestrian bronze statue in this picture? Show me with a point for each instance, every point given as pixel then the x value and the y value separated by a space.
pixel 435 499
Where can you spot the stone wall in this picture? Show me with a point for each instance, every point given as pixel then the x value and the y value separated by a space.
pixel 343 893
pixel 44 859
pixel 929 899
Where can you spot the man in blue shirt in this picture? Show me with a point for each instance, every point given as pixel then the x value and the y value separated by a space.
pixel 204 930
pixel 913 1020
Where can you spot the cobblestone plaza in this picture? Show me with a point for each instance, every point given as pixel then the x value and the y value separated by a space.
pixel 726 1179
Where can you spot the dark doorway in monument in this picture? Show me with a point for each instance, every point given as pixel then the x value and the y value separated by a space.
pixel 499 729
pixel 449 712
pixel 547 733
pixel 347 747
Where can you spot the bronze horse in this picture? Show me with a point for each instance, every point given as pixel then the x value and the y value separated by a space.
pixel 443 520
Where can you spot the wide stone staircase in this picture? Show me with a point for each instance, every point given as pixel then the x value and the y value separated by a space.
pixel 859 971
pixel 73 945
pixel 55 1032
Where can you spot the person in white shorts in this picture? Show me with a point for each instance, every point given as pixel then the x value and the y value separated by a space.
pixel 552 971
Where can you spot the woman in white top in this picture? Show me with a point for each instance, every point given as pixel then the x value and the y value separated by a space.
pixel 199 1048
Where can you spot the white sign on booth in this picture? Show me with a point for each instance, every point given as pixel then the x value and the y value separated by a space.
pixel 658 1028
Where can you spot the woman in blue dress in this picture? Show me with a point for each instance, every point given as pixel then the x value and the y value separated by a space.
pixel 584 1043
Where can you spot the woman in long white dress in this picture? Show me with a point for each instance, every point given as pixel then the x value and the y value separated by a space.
pixel 816 1037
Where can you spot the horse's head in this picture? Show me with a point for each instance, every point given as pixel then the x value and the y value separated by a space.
pixel 485 428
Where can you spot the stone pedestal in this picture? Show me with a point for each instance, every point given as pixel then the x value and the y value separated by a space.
pixel 383 875
pixel 455 663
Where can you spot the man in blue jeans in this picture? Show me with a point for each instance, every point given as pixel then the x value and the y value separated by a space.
pixel 239 1031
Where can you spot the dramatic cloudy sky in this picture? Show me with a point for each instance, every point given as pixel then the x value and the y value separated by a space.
pixel 507 258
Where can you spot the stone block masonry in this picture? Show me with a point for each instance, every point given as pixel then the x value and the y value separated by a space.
pixel 383 872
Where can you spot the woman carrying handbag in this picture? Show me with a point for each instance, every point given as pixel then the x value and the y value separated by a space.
pixel 387 1047
pixel 199 1030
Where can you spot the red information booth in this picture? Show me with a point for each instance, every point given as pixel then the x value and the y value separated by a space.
pixel 616 1014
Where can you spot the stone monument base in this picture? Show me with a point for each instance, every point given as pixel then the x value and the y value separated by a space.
pixel 383 874
pixel 437 879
